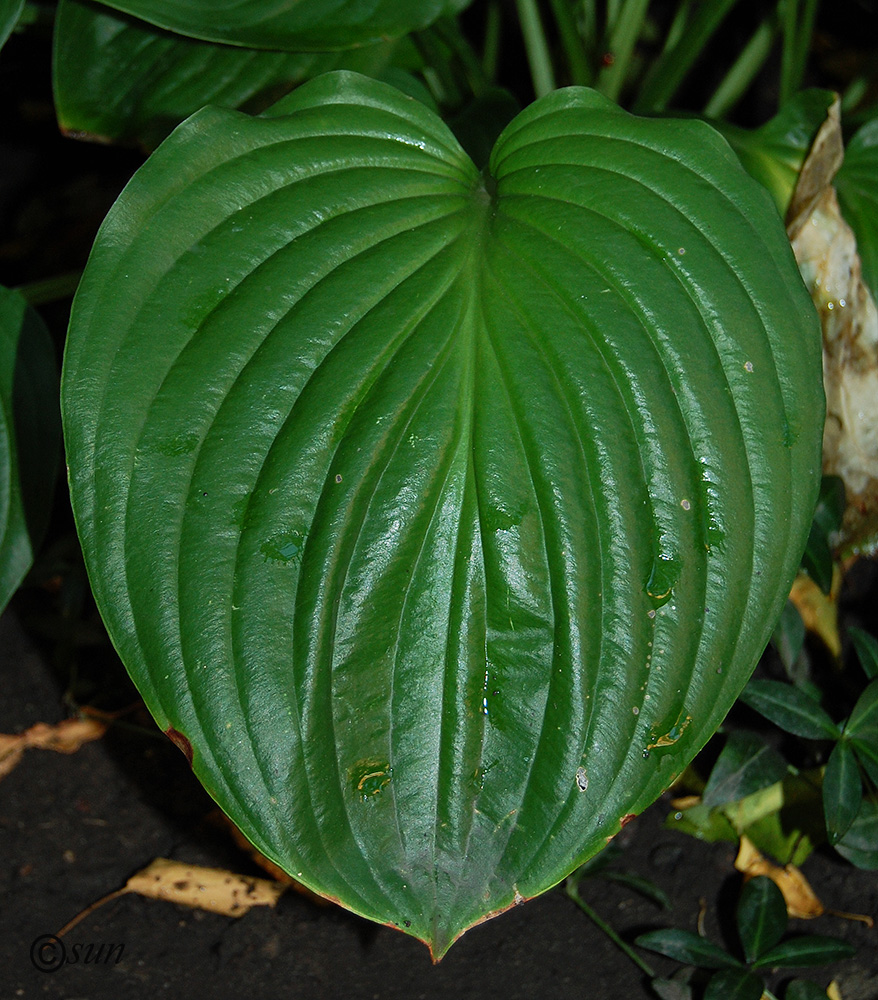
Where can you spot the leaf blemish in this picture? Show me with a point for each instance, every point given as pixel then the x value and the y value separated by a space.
pixel 581 778
pixel 180 741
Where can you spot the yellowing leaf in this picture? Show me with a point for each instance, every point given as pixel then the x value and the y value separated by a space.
pixel 213 889
pixel 799 896
pixel 819 611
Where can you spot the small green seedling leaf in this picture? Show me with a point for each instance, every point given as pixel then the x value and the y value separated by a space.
pixel 684 946
pixel 867 755
pixel 291 24
pixel 671 989
pixel 804 989
pixel 860 844
pixel 867 650
pixel 790 708
pixel 798 952
pixel 746 765
pixel 842 791
pixel 817 560
pixel 734 984
pixel 789 637
pixel 863 721
pixel 761 916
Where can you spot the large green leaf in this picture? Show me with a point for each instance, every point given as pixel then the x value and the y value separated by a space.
pixel 119 79
pixel 440 516
pixel 857 186
pixel 30 436
pixel 290 24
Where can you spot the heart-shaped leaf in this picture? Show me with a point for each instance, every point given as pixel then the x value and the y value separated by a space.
pixel 119 79
pixel 30 436
pixel 441 516
pixel 290 24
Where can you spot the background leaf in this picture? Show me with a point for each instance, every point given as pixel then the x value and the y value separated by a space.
pixel 842 791
pixel 10 11
pixel 817 560
pixel 442 514
pixel 867 650
pixel 857 187
pixel 761 916
pixel 774 153
pixel 30 435
pixel 686 947
pixel 860 844
pixel 791 709
pixel 803 989
pixel 734 984
pixel 120 79
pixel 290 24
pixel 811 949
pixel 745 765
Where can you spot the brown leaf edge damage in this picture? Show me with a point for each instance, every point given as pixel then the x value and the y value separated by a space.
pixel 180 741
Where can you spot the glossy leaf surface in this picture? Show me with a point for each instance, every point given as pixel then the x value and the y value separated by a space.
pixel 119 79
pixel 290 24
pixel 441 515
pixel 30 435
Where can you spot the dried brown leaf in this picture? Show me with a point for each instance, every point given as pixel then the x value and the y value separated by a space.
pixel 800 898
pixel 826 251
pixel 212 889
pixel 819 611
pixel 64 737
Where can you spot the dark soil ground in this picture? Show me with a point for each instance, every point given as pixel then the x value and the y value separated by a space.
pixel 73 828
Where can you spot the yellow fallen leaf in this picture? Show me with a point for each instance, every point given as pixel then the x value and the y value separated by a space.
pixel 64 737
pixel 833 992
pixel 797 893
pixel 212 889
pixel 819 611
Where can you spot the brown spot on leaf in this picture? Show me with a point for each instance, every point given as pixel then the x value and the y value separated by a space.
pixel 625 820
pixel 180 741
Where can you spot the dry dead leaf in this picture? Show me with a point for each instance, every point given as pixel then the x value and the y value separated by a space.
pixel 826 251
pixel 64 737
pixel 819 611
pixel 212 889
pixel 800 898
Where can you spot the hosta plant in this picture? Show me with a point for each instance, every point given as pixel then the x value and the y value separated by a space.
pixel 440 514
